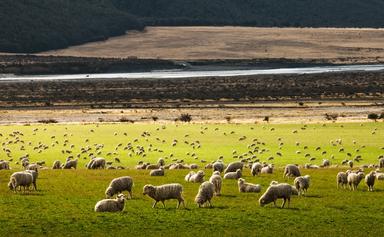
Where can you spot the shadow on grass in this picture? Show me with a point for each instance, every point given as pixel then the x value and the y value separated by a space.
pixel 227 196
pixel 311 196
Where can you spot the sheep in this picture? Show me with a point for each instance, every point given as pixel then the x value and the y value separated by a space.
pixel 379 176
pixel 161 162
pixel 232 167
pixel 96 163
pixel 152 167
pixel 281 190
pixel 342 179
pixel 205 193
pixel 245 187
pixel 22 178
pixel 381 163
pixel 35 175
pixel 233 175
pixel 193 166
pixel 326 163
pixel 4 165
pixel 158 172
pixel 111 205
pixel 370 180
pixel 119 185
pixel 70 164
pixel 164 192
pixel 302 184
pixel 56 165
pixel 34 167
pixel 291 171
pixel 354 179
pixel 268 169
pixel 195 177
pixel 216 180
pixel 310 166
pixel 256 168
pixel 218 166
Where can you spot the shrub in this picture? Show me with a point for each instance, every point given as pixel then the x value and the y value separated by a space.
pixel 266 118
pixel 373 116
pixel 185 118
pixel 47 121
pixel 331 116
pixel 155 118
pixel 228 118
pixel 125 120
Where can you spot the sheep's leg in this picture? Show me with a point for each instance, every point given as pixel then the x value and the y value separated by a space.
pixel 289 201
pixel 274 202
pixel 154 204
pixel 130 194
pixel 284 200
pixel 210 204
pixel 163 203
pixel 34 186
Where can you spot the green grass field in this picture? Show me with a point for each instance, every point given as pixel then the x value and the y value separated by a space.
pixel 64 204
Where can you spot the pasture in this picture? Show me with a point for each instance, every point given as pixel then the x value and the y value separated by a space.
pixel 63 205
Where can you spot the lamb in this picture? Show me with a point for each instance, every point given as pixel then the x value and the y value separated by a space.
pixel 111 205
pixel 216 180
pixel 232 167
pixel 158 172
pixel 281 190
pixel 20 179
pixel 164 192
pixel 256 168
pixel 4 165
pixel 370 180
pixel 205 194
pixel 291 171
pixel 119 185
pixel 233 175
pixel 354 179
pixel 96 163
pixel 218 166
pixel 56 165
pixel 302 184
pixel 268 169
pixel 342 179
pixel 70 164
pixel 245 187
pixel 195 177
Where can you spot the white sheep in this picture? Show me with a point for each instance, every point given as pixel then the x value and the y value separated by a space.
pixel 245 187
pixel 158 172
pixel 281 190
pixel 96 163
pixel 268 169
pixel 111 205
pixel 381 163
pixel 233 175
pixel 56 165
pixel 302 184
pixel 4 165
pixel 218 166
pixel 232 167
pixel 35 175
pixel 354 179
pixel 370 180
pixel 205 193
pixel 20 179
pixel 118 185
pixel 217 181
pixel 70 164
pixel 164 192
pixel 256 168
pixel 291 171
pixel 195 177
pixel 326 163
pixel 342 179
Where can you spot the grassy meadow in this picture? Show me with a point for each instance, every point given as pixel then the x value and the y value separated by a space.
pixel 64 204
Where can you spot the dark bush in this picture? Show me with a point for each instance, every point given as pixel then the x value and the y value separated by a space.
pixel 185 118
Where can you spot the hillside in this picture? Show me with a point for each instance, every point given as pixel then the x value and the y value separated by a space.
pixel 40 25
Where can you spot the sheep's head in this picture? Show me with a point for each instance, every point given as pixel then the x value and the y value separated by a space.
pixel 10 186
pixel 109 192
pixel 121 197
pixel 263 201
pixel 201 173
pixel 273 182
pixel 148 189
pixel 238 172
pixel 240 181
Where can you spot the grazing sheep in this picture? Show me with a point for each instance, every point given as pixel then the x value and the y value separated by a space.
pixel 111 205
pixel 379 176
pixel 232 167
pixel 370 180
pixel 233 175
pixel 310 166
pixel 268 169
pixel 302 184
pixel 205 193
pixel 291 171
pixel 354 179
pixel 245 187
pixel 326 163
pixel 70 164
pixel 35 175
pixel 216 180
pixel 164 192
pixel 56 165
pixel 118 185
pixel 34 167
pixel 195 177
pixel 158 172
pixel 381 163
pixel 161 162
pixel 342 179
pixel 218 166
pixel 256 168
pixel 193 166
pixel 20 179
pixel 152 167
pixel 96 163
pixel 281 190
pixel 4 165
pixel 350 163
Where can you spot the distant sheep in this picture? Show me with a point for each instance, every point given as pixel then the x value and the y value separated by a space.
pixel 233 175
pixel 111 205
pixel 218 166
pixel 70 164
pixel 96 163
pixel 291 171
pixel 232 167
pixel 205 193
pixel 217 181
pixel 245 187
pixel 370 180
pixel 342 179
pixel 302 184
pixel 164 192
pixel 281 190
pixel 256 168
pixel 354 179
pixel 268 169
pixel 158 172
pixel 326 163
pixel 381 163
pixel 4 165
pixel 118 185
pixel 195 177
pixel 56 165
